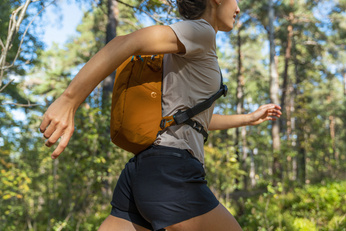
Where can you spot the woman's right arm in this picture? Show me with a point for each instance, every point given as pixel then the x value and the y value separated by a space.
pixel 263 113
pixel 58 121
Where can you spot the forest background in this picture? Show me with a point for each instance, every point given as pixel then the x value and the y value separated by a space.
pixel 284 175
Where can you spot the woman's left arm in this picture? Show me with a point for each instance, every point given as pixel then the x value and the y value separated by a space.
pixel 263 113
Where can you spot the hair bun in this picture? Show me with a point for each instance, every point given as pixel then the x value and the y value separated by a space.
pixel 191 9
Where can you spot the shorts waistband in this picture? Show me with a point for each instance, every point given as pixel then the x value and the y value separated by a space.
pixel 158 150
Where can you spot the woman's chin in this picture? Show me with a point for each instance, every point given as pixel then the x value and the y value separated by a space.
pixel 226 28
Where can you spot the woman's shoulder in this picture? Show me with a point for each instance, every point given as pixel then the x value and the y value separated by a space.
pixel 197 27
pixel 198 36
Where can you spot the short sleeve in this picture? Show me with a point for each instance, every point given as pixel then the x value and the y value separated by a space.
pixel 198 36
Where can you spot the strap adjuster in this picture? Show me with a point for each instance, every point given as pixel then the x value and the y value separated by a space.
pixel 166 122
pixel 163 124
pixel 225 90
pixel 198 127
pixel 181 117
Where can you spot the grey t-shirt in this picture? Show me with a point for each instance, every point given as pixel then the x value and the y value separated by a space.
pixel 189 79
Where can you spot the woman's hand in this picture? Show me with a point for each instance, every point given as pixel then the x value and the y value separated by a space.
pixel 264 113
pixel 58 122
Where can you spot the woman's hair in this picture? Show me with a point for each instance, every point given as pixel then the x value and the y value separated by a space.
pixel 191 9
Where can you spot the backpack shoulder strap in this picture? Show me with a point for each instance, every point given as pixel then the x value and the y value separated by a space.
pixel 185 116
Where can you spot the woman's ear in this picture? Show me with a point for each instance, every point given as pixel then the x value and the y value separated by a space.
pixel 215 3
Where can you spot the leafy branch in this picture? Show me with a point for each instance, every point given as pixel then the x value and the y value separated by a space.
pixel 13 29
pixel 155 17
pixel 3 88
pixel 16 20
pixel 22 105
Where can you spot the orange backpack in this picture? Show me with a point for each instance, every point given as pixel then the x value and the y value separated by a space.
pixel 136 114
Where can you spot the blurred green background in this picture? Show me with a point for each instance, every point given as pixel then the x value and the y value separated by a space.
pixel 284 175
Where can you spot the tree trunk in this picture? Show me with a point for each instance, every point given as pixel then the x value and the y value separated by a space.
pixel 274 96
pixel 108 83
pixel 286 103
pixel 287 58
pixel 301 154
pixel 344 75
pixel 285 85
pixel 252 170
pixel 240 109
pixel 244 156
pixel 290 133
pixel 332 134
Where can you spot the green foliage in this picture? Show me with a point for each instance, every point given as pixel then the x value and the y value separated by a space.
pixel 73 192
pixel 222 170
pixel 30 42
pixel 313 207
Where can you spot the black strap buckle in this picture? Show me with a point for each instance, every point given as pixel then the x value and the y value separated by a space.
pixel 198 127
pixel 225 90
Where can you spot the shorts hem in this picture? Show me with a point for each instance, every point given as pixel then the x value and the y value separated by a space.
pixel 131 217
pixel 161 226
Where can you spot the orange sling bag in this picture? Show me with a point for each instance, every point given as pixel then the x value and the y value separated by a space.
pixel 136 114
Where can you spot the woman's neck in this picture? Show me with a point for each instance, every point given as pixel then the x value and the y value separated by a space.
pixel 210 16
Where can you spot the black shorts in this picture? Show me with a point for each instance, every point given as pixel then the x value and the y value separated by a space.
pixel 160 187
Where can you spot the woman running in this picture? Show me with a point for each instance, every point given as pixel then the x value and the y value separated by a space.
pixel 164 187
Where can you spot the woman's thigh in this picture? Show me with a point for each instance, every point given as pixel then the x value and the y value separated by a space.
pixel 217 219
pixel 112 223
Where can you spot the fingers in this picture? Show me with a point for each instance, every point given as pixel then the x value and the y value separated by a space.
pixel 53 130
pixel 64 139
pixel 274 112
pixel 45 123
pixel 50 130
pixel 62 145
pixel 270 106
pixel 53 138
pixel 266 112
pixel 48 126
pixel 270 118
